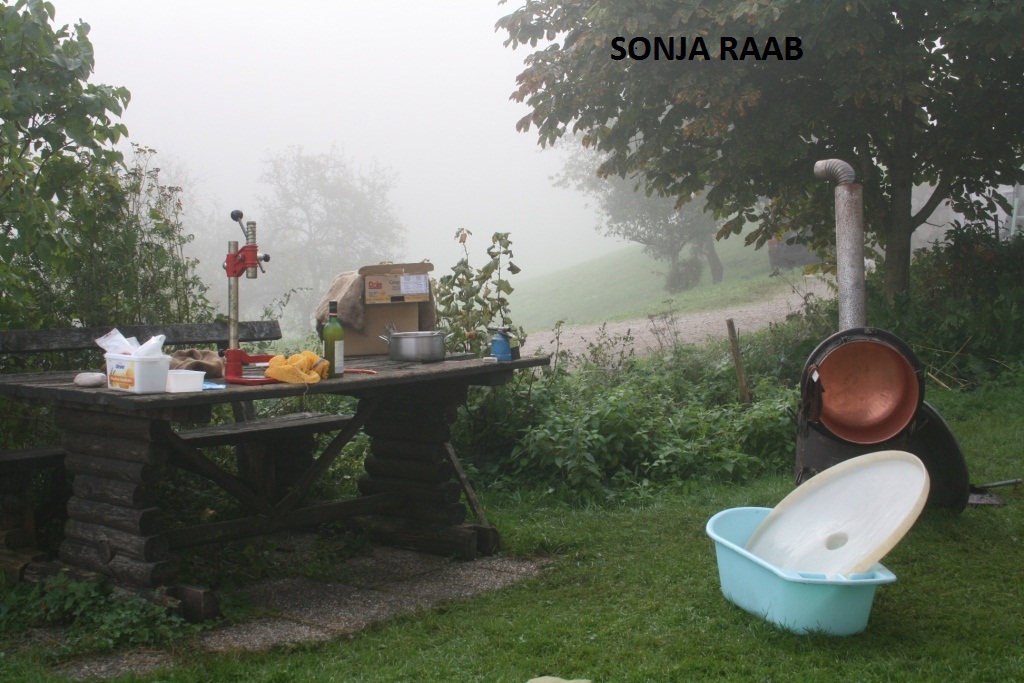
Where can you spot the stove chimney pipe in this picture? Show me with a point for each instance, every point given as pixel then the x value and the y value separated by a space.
pixel 849 239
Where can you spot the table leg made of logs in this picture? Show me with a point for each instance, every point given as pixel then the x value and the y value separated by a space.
pixel 114 525
pixel 410 454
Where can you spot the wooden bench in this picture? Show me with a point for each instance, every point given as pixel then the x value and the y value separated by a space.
pixel 254 438
pixel 179 334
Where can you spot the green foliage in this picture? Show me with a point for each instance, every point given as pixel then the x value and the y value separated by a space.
pixel 56 139
pixel 910 93
pixel 471 300
pixel 641 429
pixel 95 617
pixel 122 263
pixel 966 317
pixel 130 262
pixel 607 422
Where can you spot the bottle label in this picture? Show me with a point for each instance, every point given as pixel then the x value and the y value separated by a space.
pixel 339 357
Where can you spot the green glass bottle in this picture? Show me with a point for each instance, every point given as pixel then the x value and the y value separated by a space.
pixel 334 341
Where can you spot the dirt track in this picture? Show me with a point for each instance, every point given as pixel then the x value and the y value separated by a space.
pixel 689 327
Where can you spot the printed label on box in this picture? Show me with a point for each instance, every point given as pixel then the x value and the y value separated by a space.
pixel 122 374
pixel 411 285
pixel 392 288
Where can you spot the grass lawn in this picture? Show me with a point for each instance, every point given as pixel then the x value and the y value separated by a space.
pixel 632 594
pixel 628 284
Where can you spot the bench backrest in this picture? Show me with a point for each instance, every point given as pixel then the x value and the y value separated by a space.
pixel 179 334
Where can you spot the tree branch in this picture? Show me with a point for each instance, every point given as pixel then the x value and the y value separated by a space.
pixel 939 194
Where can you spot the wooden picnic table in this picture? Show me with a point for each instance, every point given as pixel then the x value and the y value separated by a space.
pixel 118 446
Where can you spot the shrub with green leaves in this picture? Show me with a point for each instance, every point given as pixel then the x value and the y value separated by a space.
pixel 965 315
pixel 470 300
pixel 96 618
pixel 616 421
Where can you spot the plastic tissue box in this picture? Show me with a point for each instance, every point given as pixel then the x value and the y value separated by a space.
pixel 138 374
pixel 179 381
pixel 797 601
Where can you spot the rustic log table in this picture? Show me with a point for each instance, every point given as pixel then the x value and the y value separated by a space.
pixel 119 443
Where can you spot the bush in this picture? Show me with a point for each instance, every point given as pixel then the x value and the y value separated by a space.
pixel 965 315
pixel 96 618
pixel 617 421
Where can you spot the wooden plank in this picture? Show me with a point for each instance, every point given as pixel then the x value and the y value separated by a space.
pixel 385 448
pixel 459 541
pixel 186 457
pixel 143 548
pixel 15 563
pixel 421 470
pixel 178 334
pixel 467 488
pixel 231 530
pixel 142 522
pixel 442 494
pixel 107 468
pixel 487 538
pixel 44 568
pixel 120 567
pixel 137 428
pixel 198 603
pixel 447 515
pixel 124 493
pixel 31 459
pixel 114 448
pixel 58 388
pixel 330 453
pixel 259 430
pixel 422 432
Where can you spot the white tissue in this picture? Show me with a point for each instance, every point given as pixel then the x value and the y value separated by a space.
pixel 115 342
pixel 152 347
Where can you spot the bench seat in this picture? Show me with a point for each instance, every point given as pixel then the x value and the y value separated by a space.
pixel 294 424
pixel 31 459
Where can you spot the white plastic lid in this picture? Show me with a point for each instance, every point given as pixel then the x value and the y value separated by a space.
pixel 847 518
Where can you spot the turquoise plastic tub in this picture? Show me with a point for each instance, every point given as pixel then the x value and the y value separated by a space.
pixel 797 601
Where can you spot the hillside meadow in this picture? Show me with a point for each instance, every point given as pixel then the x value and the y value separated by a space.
pixel 628 284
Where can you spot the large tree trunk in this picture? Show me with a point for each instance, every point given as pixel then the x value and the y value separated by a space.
pixel 901 220
pixel 715 263
pixel 896 278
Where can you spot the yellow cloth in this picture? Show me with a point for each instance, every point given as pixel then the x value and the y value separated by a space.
pixel 300 368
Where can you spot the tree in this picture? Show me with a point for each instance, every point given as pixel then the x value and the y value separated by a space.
pixel 56 138
pixel 655 222
pixel 125 238
pixel 909 93
pixel 323 217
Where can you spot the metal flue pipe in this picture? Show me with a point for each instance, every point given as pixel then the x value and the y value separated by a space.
pixel 849 239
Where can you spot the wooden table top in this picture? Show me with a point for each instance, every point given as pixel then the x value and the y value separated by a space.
pixel 59 387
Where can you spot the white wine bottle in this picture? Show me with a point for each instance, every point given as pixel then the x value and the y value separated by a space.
pixel 334 342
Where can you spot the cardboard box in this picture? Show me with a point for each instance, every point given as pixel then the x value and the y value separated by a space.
pixel 392 293
pixel 406 318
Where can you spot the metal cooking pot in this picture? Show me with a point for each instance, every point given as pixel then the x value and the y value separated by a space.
pixel 863 385
pixel 415 346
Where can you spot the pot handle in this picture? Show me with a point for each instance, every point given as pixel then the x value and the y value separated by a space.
pixel 386 338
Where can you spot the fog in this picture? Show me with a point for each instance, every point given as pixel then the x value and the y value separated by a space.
pixel 420 88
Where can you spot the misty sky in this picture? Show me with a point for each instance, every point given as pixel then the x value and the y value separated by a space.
pixel 420 87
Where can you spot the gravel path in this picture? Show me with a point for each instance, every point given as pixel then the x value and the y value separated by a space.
pixel 689 327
